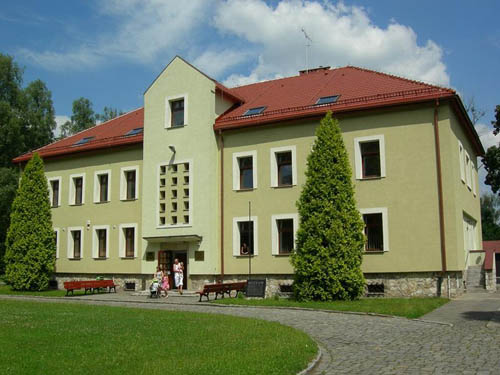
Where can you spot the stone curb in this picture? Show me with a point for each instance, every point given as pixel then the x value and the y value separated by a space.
pixel 312 365
pixel 82 298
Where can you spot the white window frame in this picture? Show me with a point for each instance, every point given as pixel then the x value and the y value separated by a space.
pixel 121 240
pixel 357 155
pixel 236 235
pixel 274 164
pixel 385 225
pixel 461 158
pixel 236 168
pixel 190 187
pixel 58 231
pixel 468 170
pixel 51 193
pixel 72 189
pixel 168 110
pixel 275 233
pixel 95 241
pixel 473 177
pixel 70 249
pixel 97 187
pixel 123 182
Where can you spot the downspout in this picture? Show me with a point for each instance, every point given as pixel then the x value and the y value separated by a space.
pixel 221 140
pixel 440 191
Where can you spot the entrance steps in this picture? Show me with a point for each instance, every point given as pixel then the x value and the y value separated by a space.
pixel 185 293
pixel 475 279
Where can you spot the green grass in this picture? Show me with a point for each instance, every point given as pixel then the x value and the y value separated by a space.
pixel 5 289
pixel 406 307
pixel 62 338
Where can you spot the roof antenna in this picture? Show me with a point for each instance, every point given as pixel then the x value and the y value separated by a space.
pixel 308 44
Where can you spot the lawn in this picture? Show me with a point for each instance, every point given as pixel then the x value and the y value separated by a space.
pixel 406 307
pixel 5 289
pixel 62 338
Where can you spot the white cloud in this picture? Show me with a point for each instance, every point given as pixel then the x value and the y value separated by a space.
pixel 341 35
pixel 214 63
pixel 60 120
pixel 145 31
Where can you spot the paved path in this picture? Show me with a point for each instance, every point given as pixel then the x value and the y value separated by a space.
pixel 363 344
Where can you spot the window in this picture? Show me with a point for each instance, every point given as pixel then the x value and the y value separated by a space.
pixel 134 132
pixel 468 176
pixel 376 230
pixel 102 182
pixel 245 240
pixel 55 191
pixel 176 111
pixel 283 231
pixel 369 157
pixel 75 242
pixel 254 111
pixel 56 238
pixel 327 99
pixel 283 166
pixel 128 240
pixel 246 237
pixel 461 160
pixel 129 185
pixel 244 170
pixel 83 141
pixel 101 242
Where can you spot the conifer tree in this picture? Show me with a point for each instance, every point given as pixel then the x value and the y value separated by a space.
pixel 30 246
pixel 330 238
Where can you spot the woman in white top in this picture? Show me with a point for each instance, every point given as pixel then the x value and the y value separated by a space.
pixel 178 275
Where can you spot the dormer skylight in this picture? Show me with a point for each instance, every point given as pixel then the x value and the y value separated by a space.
pixel 327 99
pixel 134 131
pixel 83 141
pixel 254 111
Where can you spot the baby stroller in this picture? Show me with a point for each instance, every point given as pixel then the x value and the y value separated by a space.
pixel 154 289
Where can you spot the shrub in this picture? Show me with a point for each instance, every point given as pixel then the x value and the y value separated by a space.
pixel 30 246
pixel 330 238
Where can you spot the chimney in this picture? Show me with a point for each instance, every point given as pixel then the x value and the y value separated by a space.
pixel 314 70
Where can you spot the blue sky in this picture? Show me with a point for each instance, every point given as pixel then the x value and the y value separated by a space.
pixel 110 50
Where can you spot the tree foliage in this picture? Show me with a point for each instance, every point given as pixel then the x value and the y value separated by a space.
pixel 490 217
pixel 330 238
pixel 30 246
pixel 83 117
pixel 491 159
pixel 108 113
pixel 8 187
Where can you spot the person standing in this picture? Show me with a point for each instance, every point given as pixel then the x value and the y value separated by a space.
pixel 178 275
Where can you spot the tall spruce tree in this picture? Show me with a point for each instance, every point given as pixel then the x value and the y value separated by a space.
pixel 330 239
pixel 30 246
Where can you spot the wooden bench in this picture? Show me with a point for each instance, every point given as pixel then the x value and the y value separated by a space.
pixel 222 289
pixel 89 286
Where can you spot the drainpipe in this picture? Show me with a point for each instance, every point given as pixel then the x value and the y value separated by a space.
pixel 221 139
pixel 440 191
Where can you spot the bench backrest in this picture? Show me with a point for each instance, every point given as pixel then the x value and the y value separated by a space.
pixel 88 284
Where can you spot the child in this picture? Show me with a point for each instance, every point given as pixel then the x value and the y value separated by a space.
pixel 164 285
pixel 153 289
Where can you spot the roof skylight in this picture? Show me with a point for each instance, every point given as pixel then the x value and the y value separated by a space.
pixel 327 99
pixel 83 141
pixel 254 111
pixel 134 131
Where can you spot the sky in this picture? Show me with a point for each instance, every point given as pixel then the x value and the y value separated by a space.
pixel 109 51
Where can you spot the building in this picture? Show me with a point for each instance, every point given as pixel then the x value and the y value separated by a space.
pixel 174 180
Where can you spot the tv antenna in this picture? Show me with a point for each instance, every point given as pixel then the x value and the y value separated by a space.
pixel 308 44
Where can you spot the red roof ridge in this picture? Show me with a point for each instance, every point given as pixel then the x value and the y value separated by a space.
pixel 418 82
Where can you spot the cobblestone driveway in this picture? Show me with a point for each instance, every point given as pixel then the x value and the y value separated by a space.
pixel 362 344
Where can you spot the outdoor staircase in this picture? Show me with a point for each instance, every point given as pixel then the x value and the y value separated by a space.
pixel 475 279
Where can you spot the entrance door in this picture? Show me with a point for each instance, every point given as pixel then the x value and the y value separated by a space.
pixel 497 265
pixel 182 256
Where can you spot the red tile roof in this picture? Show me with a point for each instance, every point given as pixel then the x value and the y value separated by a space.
pixel 107 134
pixel 296 96
pixel 283 99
